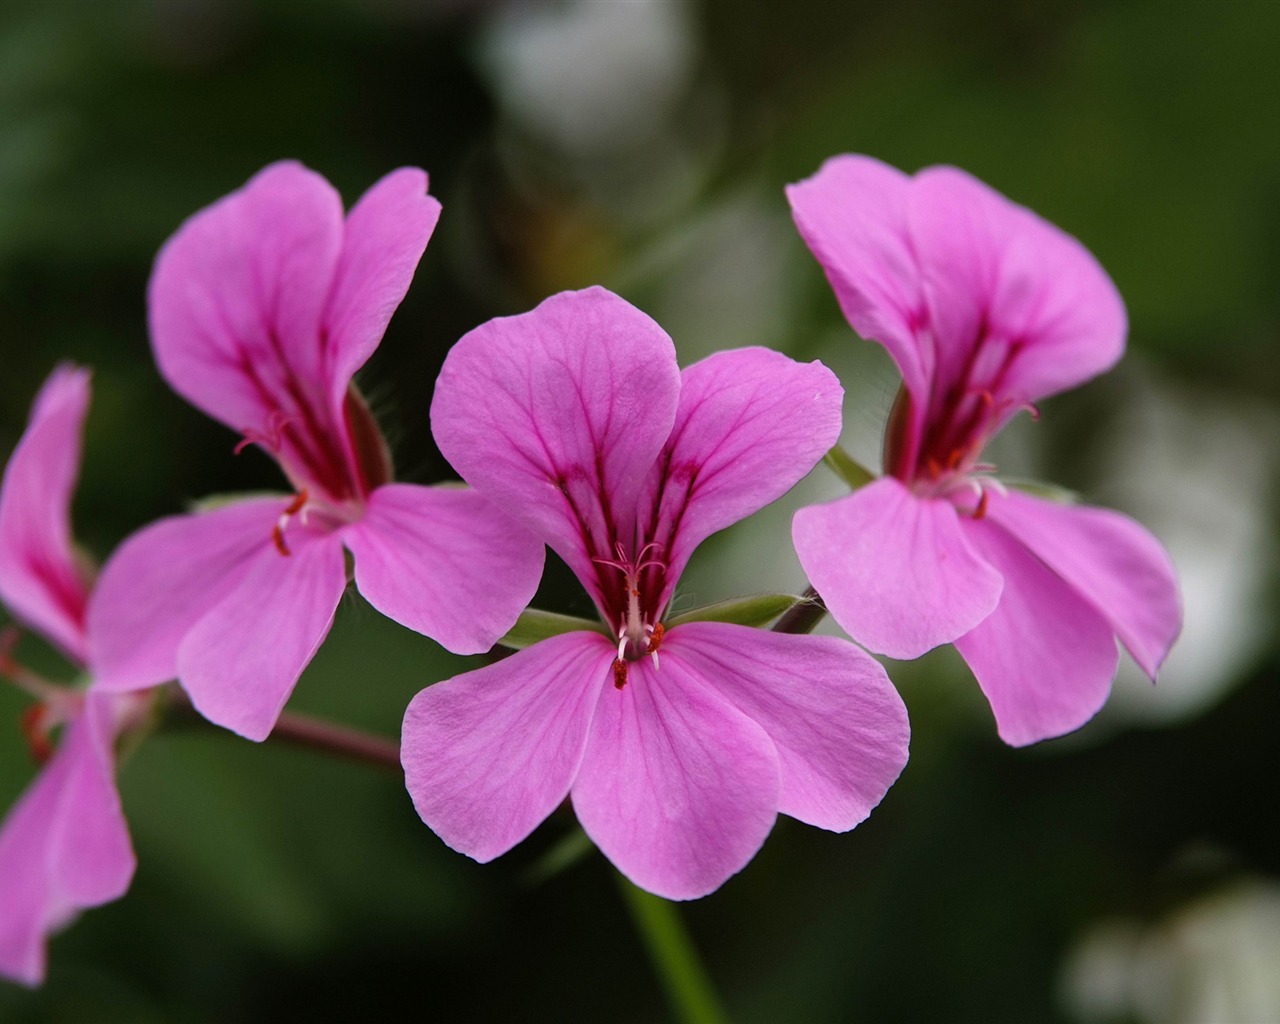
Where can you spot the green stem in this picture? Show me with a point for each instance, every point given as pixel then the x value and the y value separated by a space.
pixel 847 468
pixel 674 957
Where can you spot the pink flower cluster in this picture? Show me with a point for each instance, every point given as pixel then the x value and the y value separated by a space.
pixel 677 742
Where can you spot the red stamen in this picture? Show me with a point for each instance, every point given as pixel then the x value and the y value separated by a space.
pixel 9 637
pixel 277 531
pixel 655 638
pixel 38 742
pixel 981 510
pixel 619 674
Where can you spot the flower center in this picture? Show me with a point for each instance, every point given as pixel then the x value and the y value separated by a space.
pixel 636 623
pixel 939 459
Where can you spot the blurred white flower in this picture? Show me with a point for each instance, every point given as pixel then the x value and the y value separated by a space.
pixel 1211 962
pixel 592 75
pixel 1196 469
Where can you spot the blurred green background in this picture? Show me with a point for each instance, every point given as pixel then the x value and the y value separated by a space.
pixel 1128 873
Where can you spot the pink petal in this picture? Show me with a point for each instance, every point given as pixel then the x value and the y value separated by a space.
pixel 445 562
pixel 1003 283
pixel 65 845
pixel 1044 658
pixel 853 215
pixel 896 571
pixel 750 424
pixel 236 304
pixel 489 754
pixel 385 235
pixel 240 662
pixel 838 724
pixel 166 577
pixel 1109 560
pixel 557 415
pixel 41 579
pixel 678 787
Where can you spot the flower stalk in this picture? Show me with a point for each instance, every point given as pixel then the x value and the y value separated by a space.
pixel 689 990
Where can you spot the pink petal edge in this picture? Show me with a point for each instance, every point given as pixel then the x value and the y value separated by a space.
pixel 750 425
pixel 164 579
pixel 65 845
pixel 445 562
pixel 489 754
pixel 839 726
pixel 239 663
pixel 1044 658
pixel 678 788
pixel 1110 560
pixel 41 579
pixel 557 415
pixel 896 571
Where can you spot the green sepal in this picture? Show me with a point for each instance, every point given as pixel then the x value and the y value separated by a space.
pixel 213 502
pixel 535 624
pixel 1044 489
pixel 757 610
pixel 847 468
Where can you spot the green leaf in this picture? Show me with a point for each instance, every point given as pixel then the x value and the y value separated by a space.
pixel 757 610
pixel 535 624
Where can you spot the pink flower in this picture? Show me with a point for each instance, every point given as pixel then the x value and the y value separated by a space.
pixel 262 307
pixel 985 308
pixel 679 745
pixel 65 845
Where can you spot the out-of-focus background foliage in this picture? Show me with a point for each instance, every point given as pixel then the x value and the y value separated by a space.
pixel 1129 873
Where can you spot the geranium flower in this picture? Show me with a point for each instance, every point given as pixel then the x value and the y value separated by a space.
pixel 678 744
pixel 262 307
pixel 64 846
pixel 986 309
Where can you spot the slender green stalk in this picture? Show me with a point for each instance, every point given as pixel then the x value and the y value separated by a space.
pixel 314 733
pixel 849 469
pixel 674 957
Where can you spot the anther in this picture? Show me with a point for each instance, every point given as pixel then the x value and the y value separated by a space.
pixel 981 510
pixel 619 674
pixel 656 633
